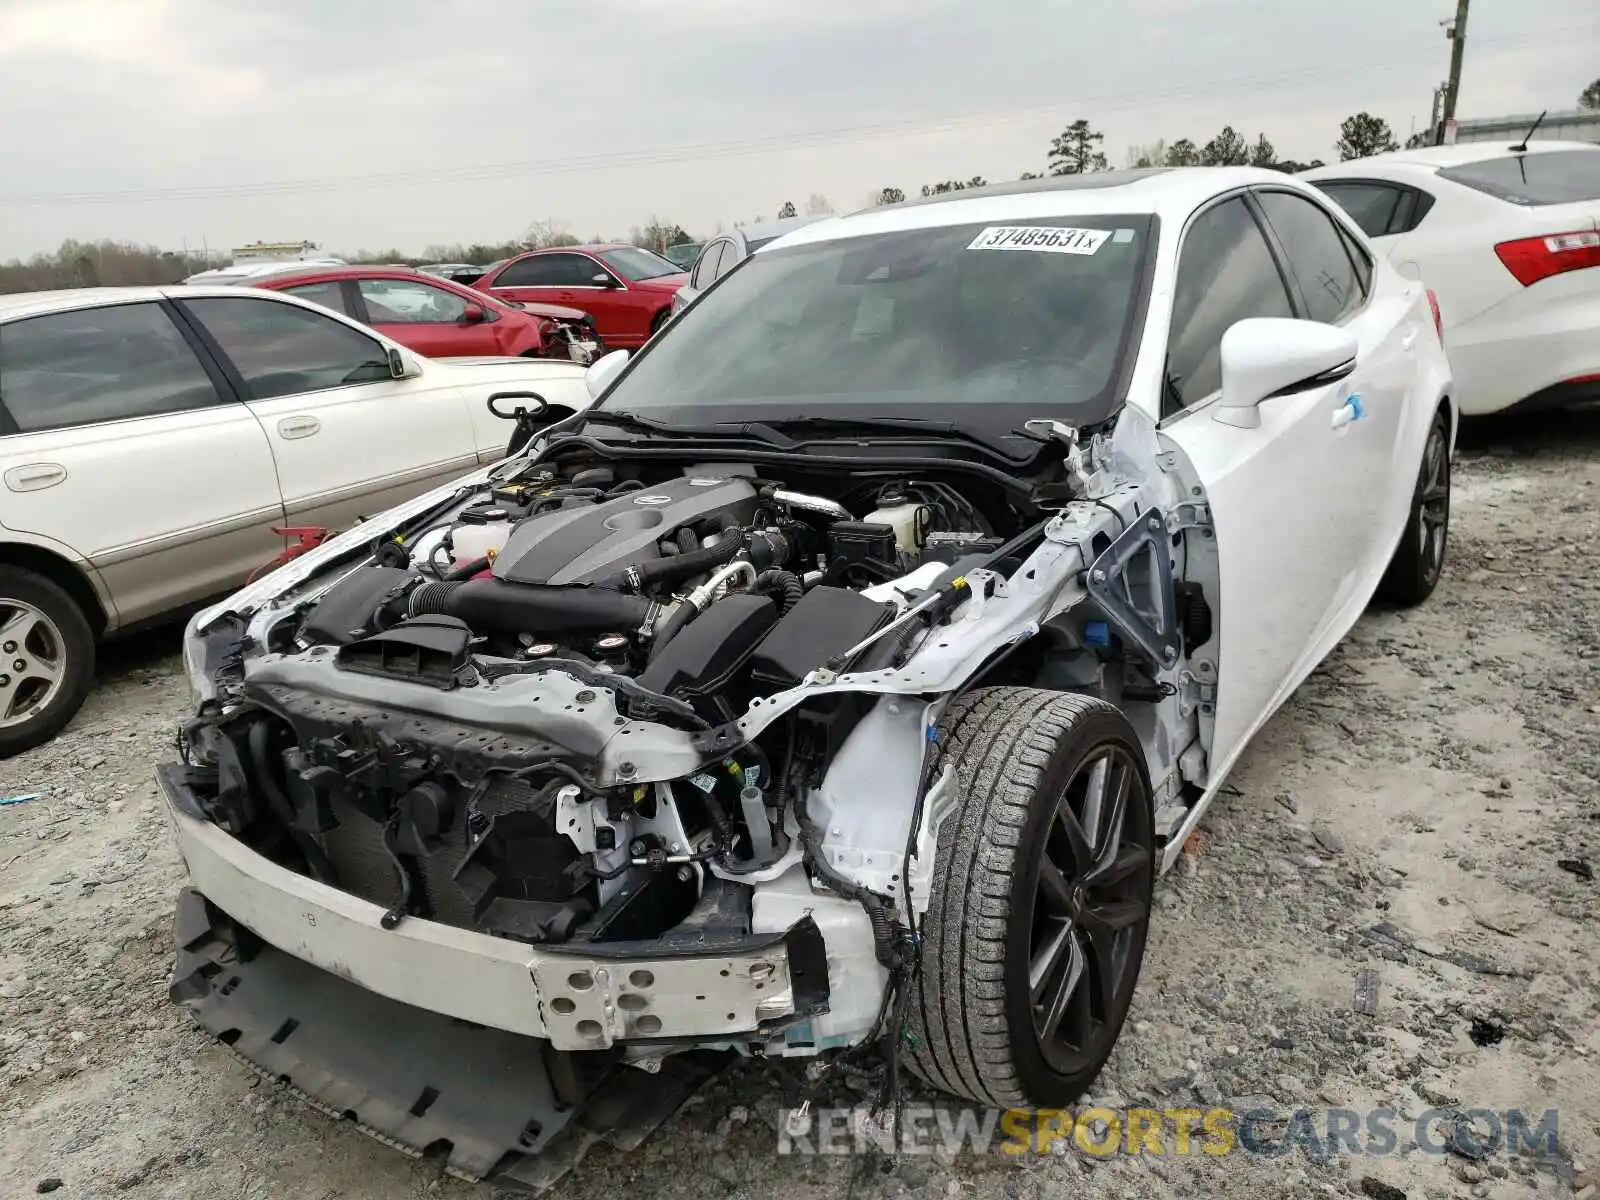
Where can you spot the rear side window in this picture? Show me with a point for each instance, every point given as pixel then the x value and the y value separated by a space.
pixel 329 295
pixel 98 364
pixel 1370 205
pixel 1225 274
pixel 705 268
pixel 1317 254
pixel 282 350
pixel 1380 209
pixel 1552 177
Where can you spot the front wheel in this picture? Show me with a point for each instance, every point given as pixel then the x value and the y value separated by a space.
pixel 1036 925
pixel 1418 560
pixel 46 659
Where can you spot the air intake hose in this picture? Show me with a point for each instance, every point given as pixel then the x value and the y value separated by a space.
pixel 494 604
pixel 679 567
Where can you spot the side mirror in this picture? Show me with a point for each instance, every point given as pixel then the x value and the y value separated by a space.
pixel 604 279
pixel 1264 357
pixel 472 314
pixel 403 364
pixel 600 374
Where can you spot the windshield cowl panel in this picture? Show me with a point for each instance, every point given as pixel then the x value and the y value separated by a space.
pixel 978 326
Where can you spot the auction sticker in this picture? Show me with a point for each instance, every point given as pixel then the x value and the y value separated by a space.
pixel 1046 239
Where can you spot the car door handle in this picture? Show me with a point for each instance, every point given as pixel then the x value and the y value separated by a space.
pixel 35 477
pixel 1350 411
pixel 298 427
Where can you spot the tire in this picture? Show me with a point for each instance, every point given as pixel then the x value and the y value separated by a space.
pixel 41 627
pixel 1418 560
pixel 661 318
pixel 1019 755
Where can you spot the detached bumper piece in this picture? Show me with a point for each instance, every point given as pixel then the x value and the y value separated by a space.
pixel 491 1106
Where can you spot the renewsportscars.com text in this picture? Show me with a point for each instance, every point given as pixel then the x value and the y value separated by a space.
pixel 1319 1132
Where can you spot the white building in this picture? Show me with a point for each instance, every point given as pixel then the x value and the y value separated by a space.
pixel 271 252
pixel 1574 125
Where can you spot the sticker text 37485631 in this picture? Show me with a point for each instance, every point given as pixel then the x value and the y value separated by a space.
pixel 1042 238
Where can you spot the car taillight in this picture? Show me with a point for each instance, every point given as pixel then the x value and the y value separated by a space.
pixel 1536 258
pixel 1438 320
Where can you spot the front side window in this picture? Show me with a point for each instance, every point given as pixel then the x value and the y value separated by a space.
pixel 634 263
pixel 410 302
pixel 98 364
pixel 329 295
pixel 1548 177
pixel 1226 273
pixel 283 350
pixel 992 324
pixel 1317 255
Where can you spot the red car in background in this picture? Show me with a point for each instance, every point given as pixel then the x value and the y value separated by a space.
pixel 628 291
pixel 436 317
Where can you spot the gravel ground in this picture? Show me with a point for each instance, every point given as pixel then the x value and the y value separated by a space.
pixel 1404 815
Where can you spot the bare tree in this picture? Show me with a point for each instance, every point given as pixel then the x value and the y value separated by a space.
pixel 818 205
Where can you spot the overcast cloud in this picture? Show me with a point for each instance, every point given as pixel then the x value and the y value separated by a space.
pixel 225 121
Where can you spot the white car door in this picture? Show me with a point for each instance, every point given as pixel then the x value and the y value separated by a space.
pixel 1276 492
pixel 1341 285
pixel 349 440
pixel 118 444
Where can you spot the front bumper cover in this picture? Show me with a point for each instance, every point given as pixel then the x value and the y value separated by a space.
pixel 485 1104
pixel 442 1042
pixel 583 996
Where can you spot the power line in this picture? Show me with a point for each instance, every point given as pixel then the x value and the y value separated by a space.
pixel 702 151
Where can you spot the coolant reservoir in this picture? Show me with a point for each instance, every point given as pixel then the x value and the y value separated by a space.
pixel 483 534
pixel 903 517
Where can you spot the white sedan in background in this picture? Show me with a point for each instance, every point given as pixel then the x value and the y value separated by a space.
pixel 1508 239
pixel 151 439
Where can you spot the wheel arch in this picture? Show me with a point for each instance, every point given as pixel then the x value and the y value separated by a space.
pixel 70 576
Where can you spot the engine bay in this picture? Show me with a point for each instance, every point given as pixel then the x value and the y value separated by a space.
pixel 526 712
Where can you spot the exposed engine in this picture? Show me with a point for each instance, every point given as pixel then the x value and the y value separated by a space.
pixel 382 743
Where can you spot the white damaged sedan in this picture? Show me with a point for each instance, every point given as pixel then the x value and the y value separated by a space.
pixel 852 667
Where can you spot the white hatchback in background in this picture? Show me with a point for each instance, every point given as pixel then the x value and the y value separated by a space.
pixel 1508 239
pixel 151 439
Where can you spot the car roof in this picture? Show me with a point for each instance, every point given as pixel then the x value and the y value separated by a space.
pixel 1172 193
pixel 593 248
pixel 312 271
pixel 1438 158
pixel 33 304
pixel 774 228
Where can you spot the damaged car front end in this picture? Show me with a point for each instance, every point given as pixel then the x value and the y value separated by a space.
pixel 669 737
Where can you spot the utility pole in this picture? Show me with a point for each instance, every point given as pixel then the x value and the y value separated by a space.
pixel 1456 31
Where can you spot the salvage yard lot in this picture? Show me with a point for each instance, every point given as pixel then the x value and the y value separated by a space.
pixel 1407 813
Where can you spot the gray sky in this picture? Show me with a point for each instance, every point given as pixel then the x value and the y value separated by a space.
pixel 230 121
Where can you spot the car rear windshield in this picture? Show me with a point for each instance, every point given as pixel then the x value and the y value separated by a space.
pixel 1013 320
pixel 635 264
pixel 1552 177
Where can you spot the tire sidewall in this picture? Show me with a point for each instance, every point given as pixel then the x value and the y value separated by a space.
pixel 77 645
pixel 1040 1081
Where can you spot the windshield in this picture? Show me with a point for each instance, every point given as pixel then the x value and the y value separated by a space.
pixel 1009 322
pixel 1550 177
pixel 635 264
